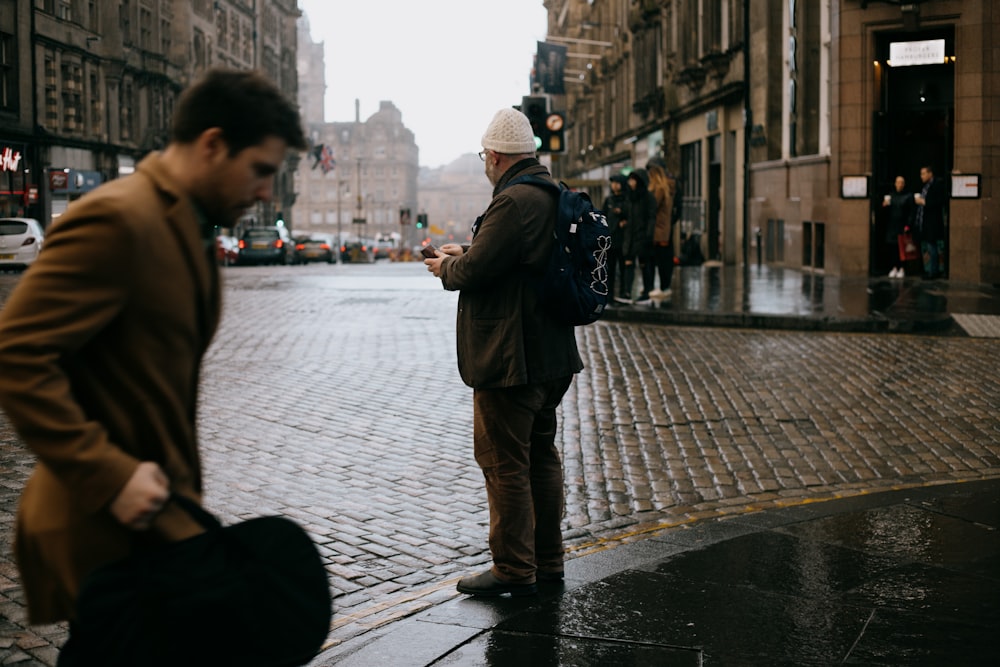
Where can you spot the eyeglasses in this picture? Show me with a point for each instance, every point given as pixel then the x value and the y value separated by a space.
pixel 482 154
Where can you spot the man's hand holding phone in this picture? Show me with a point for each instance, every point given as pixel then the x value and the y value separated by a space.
pixel 433 257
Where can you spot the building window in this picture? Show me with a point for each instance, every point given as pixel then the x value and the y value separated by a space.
pixel 805 53
pixel 96 108
pixel 711 34
pixel 51 95
pixel 125 20
pixel 145 29
pixel 72 89
pixel 198 46
pixel 222 29
pixel 8 72
pixel 127 100
pixel 165 42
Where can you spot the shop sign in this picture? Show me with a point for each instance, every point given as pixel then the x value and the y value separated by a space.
pixel 925 52
pixel 9 159
pixel 73 180
pixel 58 180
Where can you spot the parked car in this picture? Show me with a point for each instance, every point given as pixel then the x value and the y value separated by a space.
pixel 266 245
pixel 20 242
pixel 227 250
pixel 357 251
pixel 384 247
pixel 313 249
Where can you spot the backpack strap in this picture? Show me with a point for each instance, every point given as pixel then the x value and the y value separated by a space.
pixel 532 179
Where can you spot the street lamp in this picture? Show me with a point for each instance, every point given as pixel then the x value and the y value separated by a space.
pixel 340 236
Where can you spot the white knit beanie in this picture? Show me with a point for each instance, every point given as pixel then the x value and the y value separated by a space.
pixel 509 133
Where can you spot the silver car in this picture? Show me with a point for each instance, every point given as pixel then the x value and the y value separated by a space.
pixel 20 242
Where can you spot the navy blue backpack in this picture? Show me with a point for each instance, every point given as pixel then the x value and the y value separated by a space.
pixel 574 286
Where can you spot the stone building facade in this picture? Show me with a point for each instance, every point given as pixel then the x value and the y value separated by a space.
pixel 87 88
pixel 371 169
pixel 786 120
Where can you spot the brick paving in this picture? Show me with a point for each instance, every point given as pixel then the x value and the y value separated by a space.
pixel 331 396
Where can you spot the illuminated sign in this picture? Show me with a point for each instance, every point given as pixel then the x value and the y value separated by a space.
pixel 9 159
pixel 926 52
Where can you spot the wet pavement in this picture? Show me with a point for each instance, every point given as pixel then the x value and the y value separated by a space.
pixel 331 396
pixel 779 298
pixel 908 577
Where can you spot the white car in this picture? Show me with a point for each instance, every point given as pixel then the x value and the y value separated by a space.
pixel 20 242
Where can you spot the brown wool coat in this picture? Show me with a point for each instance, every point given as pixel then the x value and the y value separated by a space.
pixel 100 351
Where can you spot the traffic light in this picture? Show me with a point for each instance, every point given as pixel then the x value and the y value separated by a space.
pixel 554 124
pixel 536 108
pixel 547 126
pixel 421 220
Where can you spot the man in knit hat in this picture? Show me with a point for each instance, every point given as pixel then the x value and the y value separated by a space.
pixel 518 361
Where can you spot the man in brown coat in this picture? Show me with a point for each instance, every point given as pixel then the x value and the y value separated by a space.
pixel 101 342
pixel 518 360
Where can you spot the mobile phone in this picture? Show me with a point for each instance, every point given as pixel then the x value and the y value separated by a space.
pixel 429 251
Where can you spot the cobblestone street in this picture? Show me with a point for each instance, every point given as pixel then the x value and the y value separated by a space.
pixel 331 396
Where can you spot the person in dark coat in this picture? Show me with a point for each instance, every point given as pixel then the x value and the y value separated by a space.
pixel 901 213
pixel 639 230
pixel 614 209
pixel 518 360
pixel 929 218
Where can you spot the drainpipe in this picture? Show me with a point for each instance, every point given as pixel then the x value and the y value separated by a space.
pixel 747 128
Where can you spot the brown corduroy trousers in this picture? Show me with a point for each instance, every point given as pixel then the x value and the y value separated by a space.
pixel 514 441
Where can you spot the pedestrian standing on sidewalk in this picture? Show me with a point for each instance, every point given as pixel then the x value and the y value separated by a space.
pixel 614 209
pixel 930 203
pixel 518 360
pixel 101 342
pixel 638 246
pixel 664 189
pixel 901 213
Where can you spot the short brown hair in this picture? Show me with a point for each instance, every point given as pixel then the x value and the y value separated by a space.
pixel 245 105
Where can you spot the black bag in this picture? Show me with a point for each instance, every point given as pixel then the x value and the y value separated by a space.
pixel 251 594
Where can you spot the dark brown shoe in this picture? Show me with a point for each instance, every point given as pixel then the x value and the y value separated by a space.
pixel 487 585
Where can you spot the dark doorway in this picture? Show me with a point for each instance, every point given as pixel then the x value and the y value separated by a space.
pixel 913 128
pixel 714 195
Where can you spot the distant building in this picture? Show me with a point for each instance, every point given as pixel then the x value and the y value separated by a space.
pixel 453 196
pixel 353 170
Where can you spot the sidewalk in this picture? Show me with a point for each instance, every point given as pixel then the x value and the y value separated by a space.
pixel 904 577
pixel 776 298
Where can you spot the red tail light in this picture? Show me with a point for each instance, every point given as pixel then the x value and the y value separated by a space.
pixel 343 248
pixel 279 243
pixel 324 246
pixel 300 246
pixel 242 244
